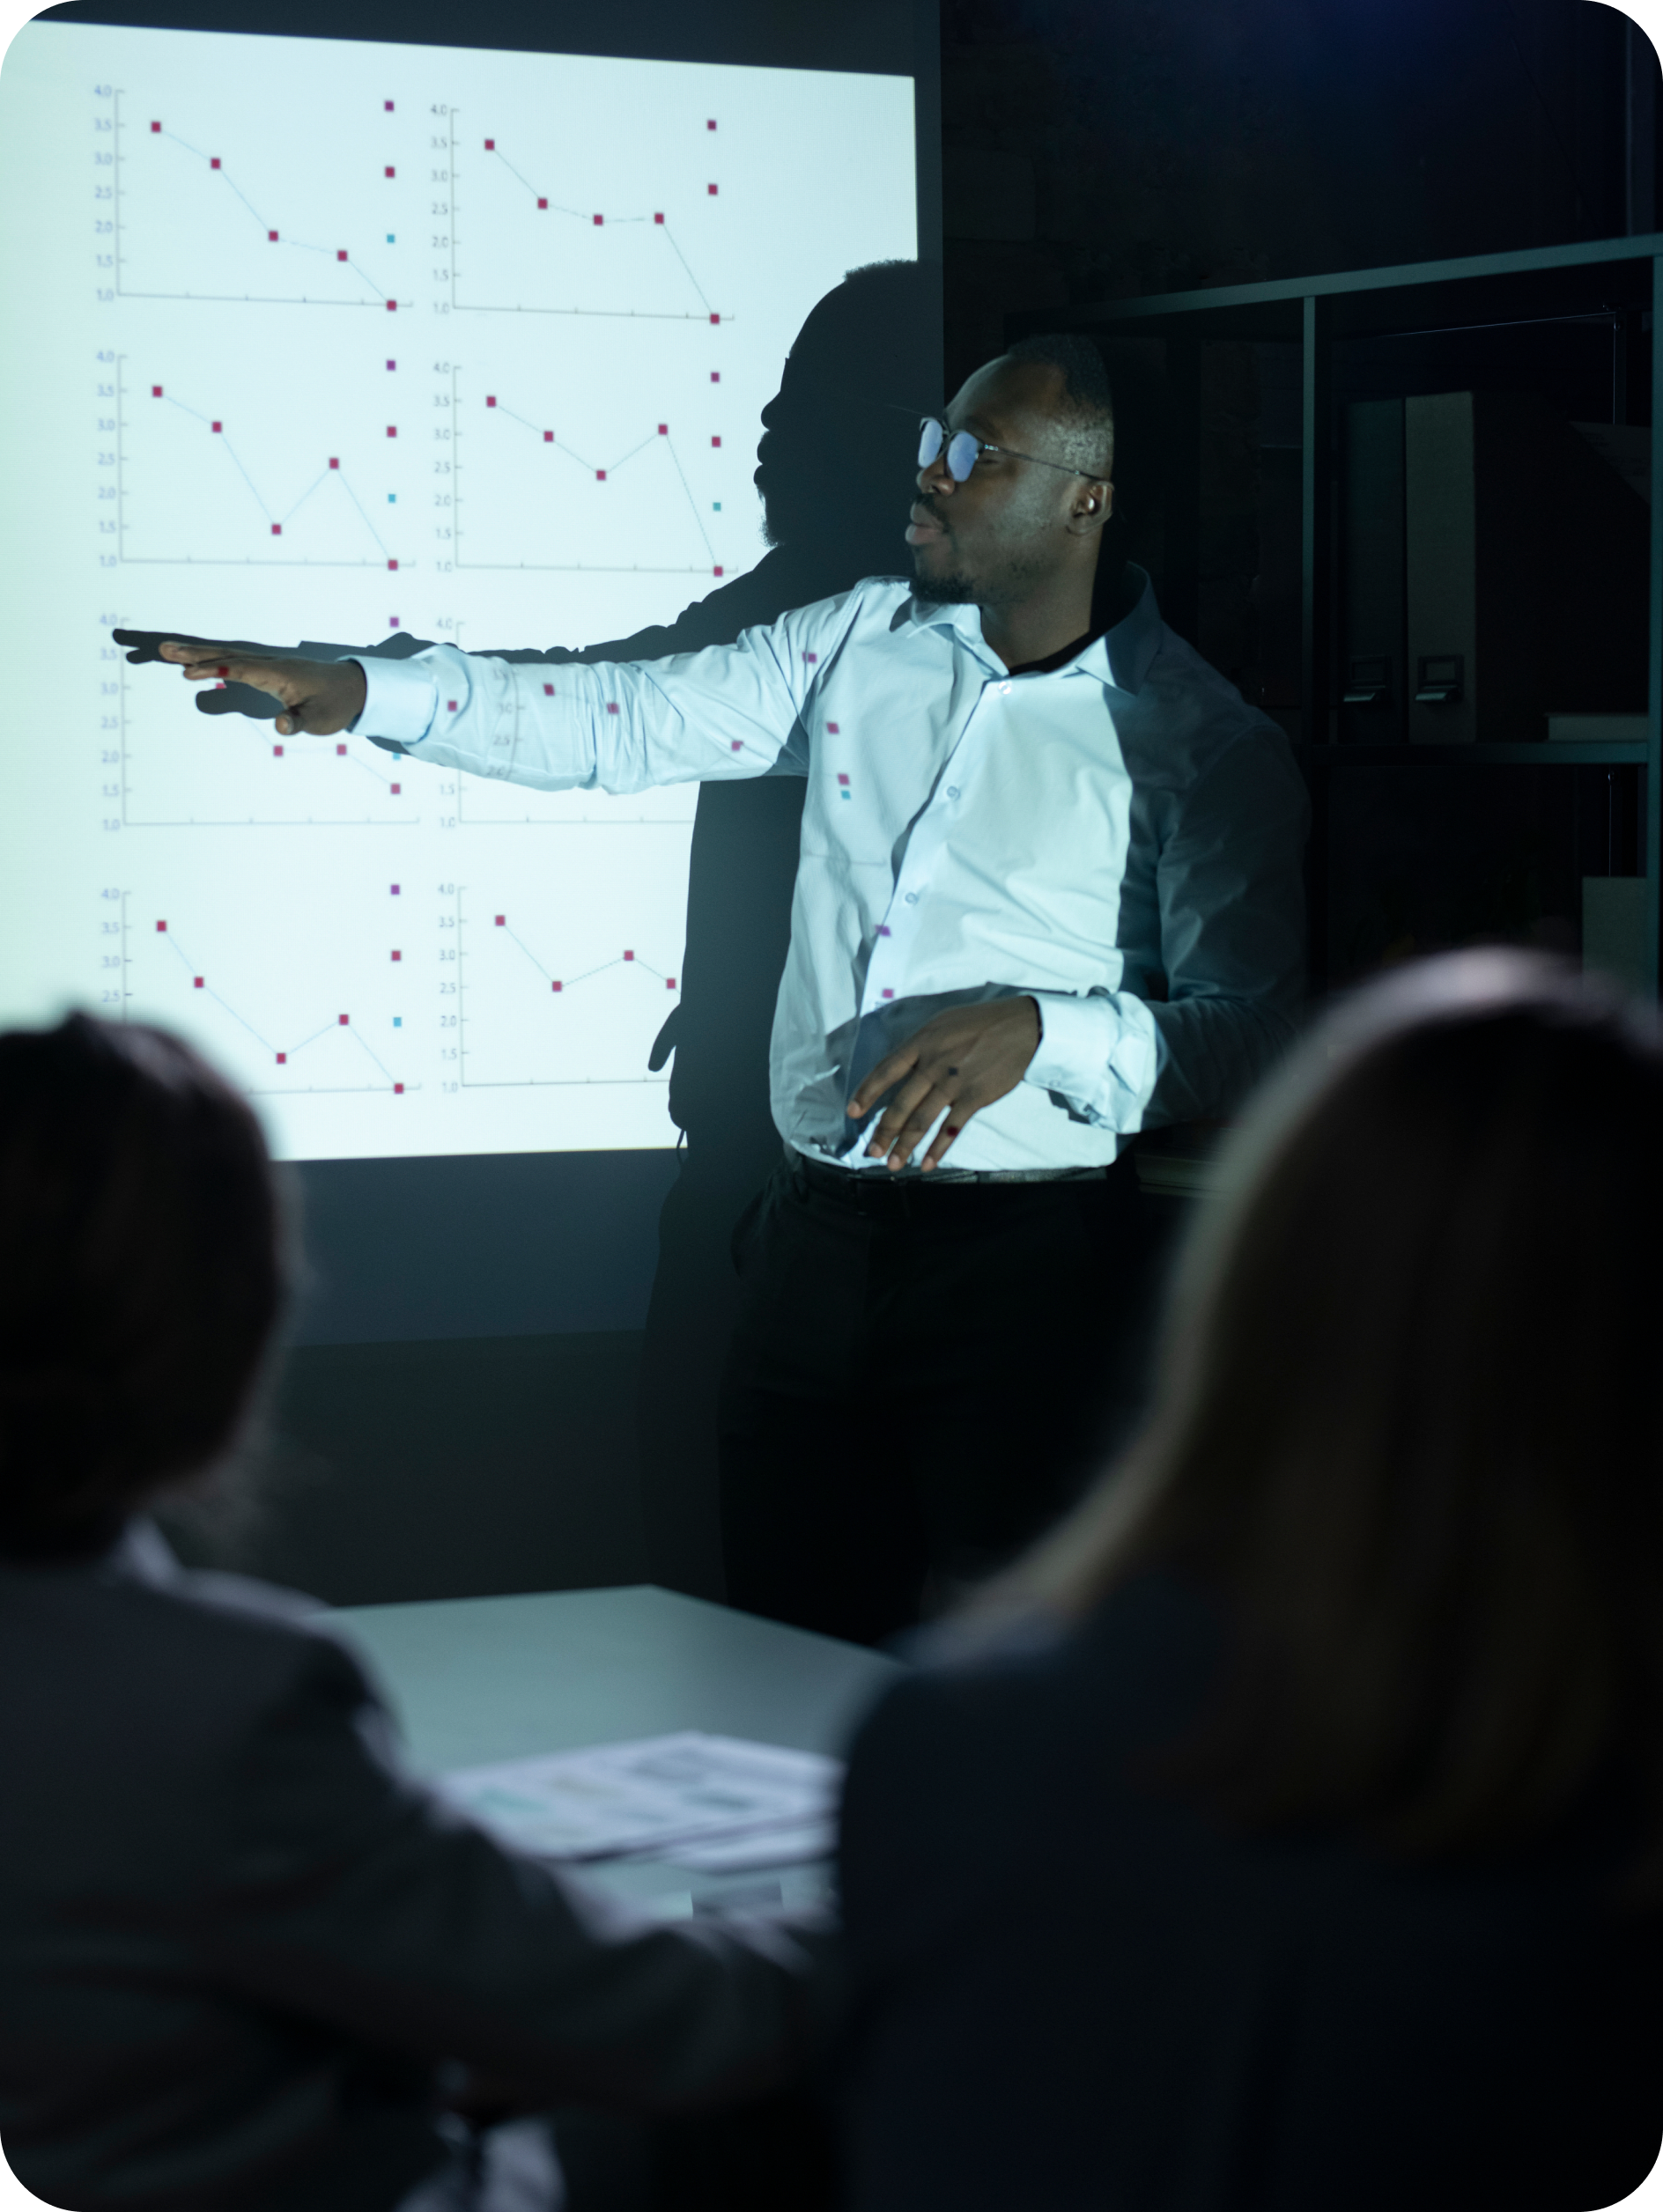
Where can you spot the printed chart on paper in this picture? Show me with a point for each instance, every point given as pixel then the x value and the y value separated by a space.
pixel 484 365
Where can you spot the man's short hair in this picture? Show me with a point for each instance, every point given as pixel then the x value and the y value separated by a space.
pixel 1086 415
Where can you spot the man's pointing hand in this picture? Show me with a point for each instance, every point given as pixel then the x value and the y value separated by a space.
pixel 315 697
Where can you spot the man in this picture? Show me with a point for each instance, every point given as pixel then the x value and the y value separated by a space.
pixel 1048 892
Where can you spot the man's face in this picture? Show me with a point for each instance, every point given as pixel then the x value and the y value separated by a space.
pixel 1007 528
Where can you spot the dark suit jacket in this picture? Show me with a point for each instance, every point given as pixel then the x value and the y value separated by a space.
pixel 236 1939
pixel 1073 1988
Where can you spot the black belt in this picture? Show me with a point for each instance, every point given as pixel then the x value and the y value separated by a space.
pixel 872 1189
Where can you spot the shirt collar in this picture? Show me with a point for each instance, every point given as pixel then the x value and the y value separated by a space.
pixel 1121 657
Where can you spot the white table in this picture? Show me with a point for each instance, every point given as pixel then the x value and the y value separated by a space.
pixel 476 1680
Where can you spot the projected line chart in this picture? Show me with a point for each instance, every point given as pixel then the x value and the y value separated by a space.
pixel 333 269
pixel 326 1054
pixel 531 1018
pixel 177 769
pixel 317 507
pixel 560 258
pixel 608 522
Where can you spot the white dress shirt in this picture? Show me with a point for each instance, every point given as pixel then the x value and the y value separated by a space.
pixel 1119 838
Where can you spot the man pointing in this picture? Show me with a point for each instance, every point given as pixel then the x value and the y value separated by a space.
pixel 1048 894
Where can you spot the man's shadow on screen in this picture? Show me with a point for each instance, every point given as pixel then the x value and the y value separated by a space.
pixel 836 467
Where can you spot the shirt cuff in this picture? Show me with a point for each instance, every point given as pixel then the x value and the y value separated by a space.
pixel 1084 1039
pixel 399 700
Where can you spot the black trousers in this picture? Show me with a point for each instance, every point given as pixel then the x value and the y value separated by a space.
pixel 922 1378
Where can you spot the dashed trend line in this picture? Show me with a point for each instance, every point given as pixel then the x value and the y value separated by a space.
pixel 281 1055
pixel 603 475
pixel 216 168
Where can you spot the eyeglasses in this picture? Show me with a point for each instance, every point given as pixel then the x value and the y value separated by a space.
pixel 964 449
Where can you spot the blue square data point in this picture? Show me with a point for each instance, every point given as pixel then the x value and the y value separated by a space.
pixel 392 499
pixel 398 1021
pixel 390 239
pixel 715 506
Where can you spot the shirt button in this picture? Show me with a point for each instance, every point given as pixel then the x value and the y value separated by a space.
pixel 912 898
pixel 1003 689
pixel 952 791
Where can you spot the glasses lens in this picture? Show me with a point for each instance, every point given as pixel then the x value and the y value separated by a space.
pixel 960 455
pixel 930 435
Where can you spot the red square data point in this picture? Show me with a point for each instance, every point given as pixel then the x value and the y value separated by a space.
pixel 599 220
pixel 547 437
pixel 491 146
pixel 391 307
pixel 341 1018
pixel 810 657
pixel 710 126
pixel 398 956
pixel 388 106
pixel 543 204
pixel 736 745
pixel 658 219
pixel 197 981
pixel 392 564
pixel 502 921
pixel 392 622
pixel 715 318
pixel 341 751
pixel 160 926
pixel 271 237
pixel 283 1059
pixel 450 705
pixel 548 692
pixel 155 126
pixel 831 728
pixel 556 987
pixel 711 189
pixel 715 376
pixel 392 430
pixel 715 441
pixel 717 570
pixel 392 364
pixel 599 475
pixel 663 429
pixel 612 706
pixel 387 171
pixel 335 461
pixel 844 781
pixel 669 983
pixel 277 752
pixel 340 252
pixel 392 890
pixel 397 789
pixel 155 391
pixel 398 1090
pixel 277 529
pixel 213 161
pixel 213 426
pixel 628 955
pixel 888 994
pixel 490 399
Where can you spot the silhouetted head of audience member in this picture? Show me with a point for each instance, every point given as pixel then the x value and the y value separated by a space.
pixel 141 1277
pixel 1408 1429
pixel 839 444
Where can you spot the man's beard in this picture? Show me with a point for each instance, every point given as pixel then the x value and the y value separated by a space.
pixel 951 590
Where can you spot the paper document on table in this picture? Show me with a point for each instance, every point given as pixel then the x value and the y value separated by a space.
pixel 648 1797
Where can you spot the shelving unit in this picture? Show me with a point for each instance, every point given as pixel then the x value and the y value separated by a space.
pixel 1617 282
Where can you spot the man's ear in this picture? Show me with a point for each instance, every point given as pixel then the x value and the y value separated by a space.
pixel 1093 505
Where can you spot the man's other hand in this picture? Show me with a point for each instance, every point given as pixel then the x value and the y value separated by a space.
pixel 956 1063
pixel 315 699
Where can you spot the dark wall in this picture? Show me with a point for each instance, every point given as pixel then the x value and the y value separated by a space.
pixel 1095 150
